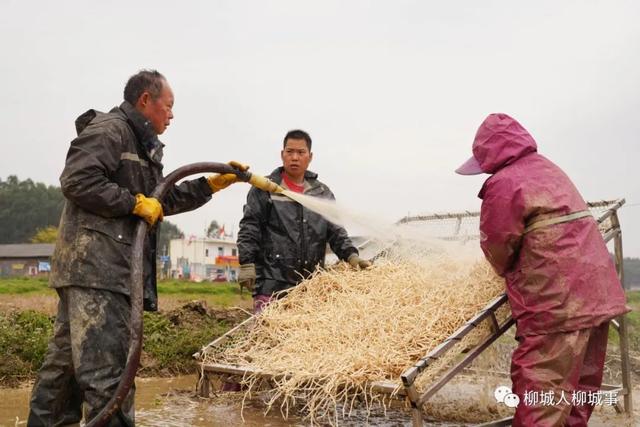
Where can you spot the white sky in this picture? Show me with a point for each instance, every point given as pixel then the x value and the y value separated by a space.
pixel 392 92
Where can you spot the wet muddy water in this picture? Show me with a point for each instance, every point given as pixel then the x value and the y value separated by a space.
pixel 172 402
pixel 160 402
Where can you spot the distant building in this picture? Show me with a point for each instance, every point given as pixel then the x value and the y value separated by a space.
pixel 25 259
pixel 199 258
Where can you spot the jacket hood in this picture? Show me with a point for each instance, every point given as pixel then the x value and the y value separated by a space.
pixel 501 140
pixel 84 119
pixel 140 125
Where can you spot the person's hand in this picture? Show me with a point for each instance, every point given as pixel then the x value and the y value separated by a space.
pixel 219 182
pixel 148 208
pixel 247 276
pixel 356 262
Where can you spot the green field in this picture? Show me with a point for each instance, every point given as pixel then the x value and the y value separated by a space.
pixel 24 285
pixel 221 294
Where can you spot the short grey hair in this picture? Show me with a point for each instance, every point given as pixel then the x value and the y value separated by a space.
pixel 143 81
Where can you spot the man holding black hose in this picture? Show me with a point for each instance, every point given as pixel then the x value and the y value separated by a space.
pixel 111 168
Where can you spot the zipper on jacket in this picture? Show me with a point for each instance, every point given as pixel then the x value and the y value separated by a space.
pixel 303 241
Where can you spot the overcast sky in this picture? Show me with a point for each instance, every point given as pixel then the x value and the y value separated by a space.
pixel 391 92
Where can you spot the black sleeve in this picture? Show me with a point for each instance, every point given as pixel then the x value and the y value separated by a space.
pixel 186 196
pixel 92 158
pixel 340 242
pixel 255 215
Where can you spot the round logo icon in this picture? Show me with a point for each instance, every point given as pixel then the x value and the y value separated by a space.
pixel 501 392
pixel 511 400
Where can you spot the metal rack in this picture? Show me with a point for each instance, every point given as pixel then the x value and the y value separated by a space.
pixel 458 228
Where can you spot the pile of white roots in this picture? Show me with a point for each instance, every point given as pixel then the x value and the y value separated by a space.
pixel 333 335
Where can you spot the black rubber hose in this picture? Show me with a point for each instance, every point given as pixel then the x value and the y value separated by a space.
pixel 136 286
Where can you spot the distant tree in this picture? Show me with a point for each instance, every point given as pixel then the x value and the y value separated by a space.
pixel 632 272
pixel 45 235
pixel 214 229
pixel 25 207
pixel 167 232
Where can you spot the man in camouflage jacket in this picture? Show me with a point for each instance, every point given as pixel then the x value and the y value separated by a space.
pixel 113 163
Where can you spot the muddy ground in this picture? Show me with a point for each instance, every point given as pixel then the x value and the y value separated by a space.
pixel 166 397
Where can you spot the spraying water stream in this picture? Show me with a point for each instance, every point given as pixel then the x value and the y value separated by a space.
pixel 410 239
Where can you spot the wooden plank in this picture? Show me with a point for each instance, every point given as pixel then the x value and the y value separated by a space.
pixel 612 205
pixel 622 320
pixel 610 235
pixel 603 203
pixel 232 369
pixel 410 374
pixel 387 387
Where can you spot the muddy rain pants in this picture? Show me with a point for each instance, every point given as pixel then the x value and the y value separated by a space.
pixel 84 359
pixel 558 362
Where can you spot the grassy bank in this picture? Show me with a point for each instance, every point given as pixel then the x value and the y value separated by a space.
pixel 218 294
pixel 20 294
pixel 192 314
pixel 25 286
pixel 222 293
pixel 23 342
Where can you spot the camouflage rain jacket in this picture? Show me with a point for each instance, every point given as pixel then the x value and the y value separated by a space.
pixel 115 156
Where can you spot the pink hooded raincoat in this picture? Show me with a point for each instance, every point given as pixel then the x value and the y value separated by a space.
pixel 561 282
pixel 560 277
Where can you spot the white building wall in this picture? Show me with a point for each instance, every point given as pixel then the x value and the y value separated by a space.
pixel 201 254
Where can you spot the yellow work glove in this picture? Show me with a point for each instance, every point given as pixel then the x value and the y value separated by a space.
pixel 148 209
pixel 219 182
pixel 247 276
pixel 356 261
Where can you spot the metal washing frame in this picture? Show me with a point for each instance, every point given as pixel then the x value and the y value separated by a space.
pixel 408 388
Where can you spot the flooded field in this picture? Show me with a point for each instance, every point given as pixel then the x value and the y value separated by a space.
pixel 167 402
pixel 171 402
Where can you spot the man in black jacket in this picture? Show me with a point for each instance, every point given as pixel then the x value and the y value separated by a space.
pixel 111 167
pixel 280 242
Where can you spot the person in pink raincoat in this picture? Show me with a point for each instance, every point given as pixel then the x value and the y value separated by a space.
pixel 537 233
